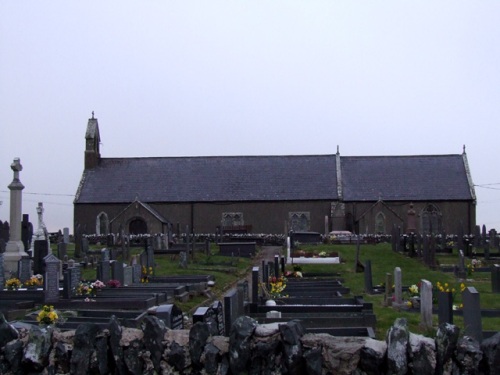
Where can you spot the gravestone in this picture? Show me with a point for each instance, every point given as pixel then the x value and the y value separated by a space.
pixel 183 259
pixel 41 250
pixel 219 313
pixel 276 266
pixel 105 255
pixel 85 246
pixel 66 235
pixel 151 255
pixel 26 231
pixel 71 279
pixel 477 236
pixel 171 316
pixel 461 272
pixel 426 304
pixel 62 250
pixel 24 271
pixel 368 277
pixel 255 284
pixel 472 314
pixel 495 278
pixel 398 288
pixel 445 307
pixel 388 289
pixel 117 272
pixel 104 271
pixel 207 315
pixel 51 279
pixel 127 275
pixel 136 273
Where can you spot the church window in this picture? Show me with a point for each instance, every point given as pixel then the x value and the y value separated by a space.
pixel 102 224
pixel 380 223
pixel 431 219
pixel 231 219
pixel 299 221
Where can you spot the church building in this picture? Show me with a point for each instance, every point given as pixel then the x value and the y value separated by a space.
pixel 273 194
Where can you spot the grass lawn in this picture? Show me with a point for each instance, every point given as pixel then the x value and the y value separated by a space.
pixel 384 260
pixel 228 271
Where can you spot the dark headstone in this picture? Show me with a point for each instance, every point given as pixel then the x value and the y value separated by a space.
pixel 51 279
pixel 472 313
pixel 117 272
pixel 219 313
pixel 41 250
pixel 495 278
pixel 85 246
pixel 207 316
pixel 26 231
pixel 171 315
pixel 445 307
pixel 255 284
pixel 105 255
pixel 104 271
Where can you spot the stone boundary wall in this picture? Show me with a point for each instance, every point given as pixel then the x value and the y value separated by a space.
pixel 250 349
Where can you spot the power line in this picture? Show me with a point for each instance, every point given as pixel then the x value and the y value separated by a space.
pixel 49 194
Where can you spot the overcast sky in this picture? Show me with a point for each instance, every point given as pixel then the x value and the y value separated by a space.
pixel 200 78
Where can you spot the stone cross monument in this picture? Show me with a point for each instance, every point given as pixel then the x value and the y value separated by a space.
pixel 15 247
pixel 41 232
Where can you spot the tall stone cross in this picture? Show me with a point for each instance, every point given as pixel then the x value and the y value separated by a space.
pixel 15 247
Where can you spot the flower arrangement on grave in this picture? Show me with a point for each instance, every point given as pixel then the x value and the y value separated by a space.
pixel 471 267
pixel 276 287
pixel 413 290
pixel 34 281
pixel 146 273
pixel 13 284
pixel 447 288
pixel 113 284
pixel 322 254
pixel 47 315
pixel 297 271
pixel 85 288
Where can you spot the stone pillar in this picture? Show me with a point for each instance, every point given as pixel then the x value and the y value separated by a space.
pixel 15 247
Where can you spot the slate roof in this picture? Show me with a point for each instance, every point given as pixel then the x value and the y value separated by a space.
pixel 406 178
pixel 210 179
pixel 276 178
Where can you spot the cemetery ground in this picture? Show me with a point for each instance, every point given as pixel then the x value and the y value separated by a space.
pixel 229 270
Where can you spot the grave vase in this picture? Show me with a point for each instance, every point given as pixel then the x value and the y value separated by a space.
pixel 270 302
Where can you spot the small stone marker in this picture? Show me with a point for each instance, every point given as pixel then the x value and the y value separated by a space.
pixel 426 304
pixel 388 289
pixel 255 285
pixel 51 279
pixel 127 275
pixel 472 314
pixel 398 287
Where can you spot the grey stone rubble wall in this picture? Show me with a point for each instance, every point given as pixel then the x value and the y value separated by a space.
pixel 250 348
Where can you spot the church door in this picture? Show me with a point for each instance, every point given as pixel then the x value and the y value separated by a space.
pixel 137 226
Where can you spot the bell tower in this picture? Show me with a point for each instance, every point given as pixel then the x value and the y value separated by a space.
pixel 92 141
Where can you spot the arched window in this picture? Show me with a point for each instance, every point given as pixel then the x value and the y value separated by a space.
pixel 431 219
pixel 102 224
pixel 380 223
pixel 137 226
pixel 299 221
